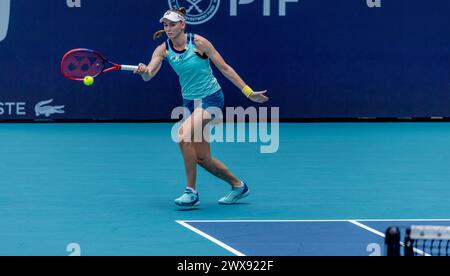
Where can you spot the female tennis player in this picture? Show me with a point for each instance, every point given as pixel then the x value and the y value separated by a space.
pixel 190 55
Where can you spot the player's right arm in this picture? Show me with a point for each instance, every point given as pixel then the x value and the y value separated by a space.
pixel 149 71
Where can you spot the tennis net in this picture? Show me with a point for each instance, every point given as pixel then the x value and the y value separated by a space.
pixel 418 240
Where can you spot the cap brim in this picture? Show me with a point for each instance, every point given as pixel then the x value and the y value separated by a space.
pixel 171 20
pixel 172 17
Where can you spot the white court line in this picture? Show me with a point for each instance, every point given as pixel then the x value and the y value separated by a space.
pixel 214 240
pixel 324 220
pixel 370 229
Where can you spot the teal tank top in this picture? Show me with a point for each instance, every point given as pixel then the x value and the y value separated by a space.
pixel 194 71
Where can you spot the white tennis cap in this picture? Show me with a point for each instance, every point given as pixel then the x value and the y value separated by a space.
pixel 172 16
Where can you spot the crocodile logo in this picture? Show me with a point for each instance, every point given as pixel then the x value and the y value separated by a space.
pixel 42 108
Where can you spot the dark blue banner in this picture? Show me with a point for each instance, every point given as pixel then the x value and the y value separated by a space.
pixel 317 58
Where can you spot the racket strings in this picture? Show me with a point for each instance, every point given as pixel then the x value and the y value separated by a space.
pixel 79 64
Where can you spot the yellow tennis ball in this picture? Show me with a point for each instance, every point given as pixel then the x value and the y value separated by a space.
pixel 88 80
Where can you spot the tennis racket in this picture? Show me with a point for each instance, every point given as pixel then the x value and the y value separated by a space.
pixel 79 63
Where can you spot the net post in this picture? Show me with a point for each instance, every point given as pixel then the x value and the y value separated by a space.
pixel 392 241
pixel 409 243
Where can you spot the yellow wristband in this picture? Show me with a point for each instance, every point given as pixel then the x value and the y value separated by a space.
pixel 247 91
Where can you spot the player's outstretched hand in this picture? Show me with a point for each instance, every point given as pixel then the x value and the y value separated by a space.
pixel 258 96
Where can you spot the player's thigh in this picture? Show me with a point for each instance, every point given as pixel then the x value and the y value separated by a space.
pixel 194 128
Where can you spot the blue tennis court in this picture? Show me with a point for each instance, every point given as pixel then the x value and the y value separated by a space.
pixel 108 188
pixel 302 237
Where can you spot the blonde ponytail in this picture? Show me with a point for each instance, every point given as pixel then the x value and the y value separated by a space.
pixel 158 34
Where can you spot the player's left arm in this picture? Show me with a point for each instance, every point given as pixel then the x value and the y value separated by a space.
pixel 206 47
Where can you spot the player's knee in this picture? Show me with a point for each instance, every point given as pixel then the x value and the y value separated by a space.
pixel 203 160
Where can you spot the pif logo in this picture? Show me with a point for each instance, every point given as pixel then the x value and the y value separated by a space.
pixel 4 18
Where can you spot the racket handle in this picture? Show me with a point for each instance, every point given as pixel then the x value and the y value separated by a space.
pixel 128 67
